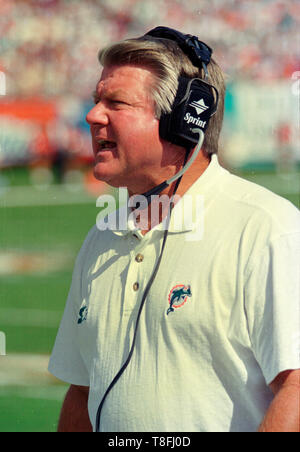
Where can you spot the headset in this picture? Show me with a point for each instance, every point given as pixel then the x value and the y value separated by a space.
pixel 195 103
pixel 194 97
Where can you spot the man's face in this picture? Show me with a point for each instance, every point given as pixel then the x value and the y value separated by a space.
pixel 125 133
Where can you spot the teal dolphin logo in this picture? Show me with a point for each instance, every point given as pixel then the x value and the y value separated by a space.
pixel 178 297
pixel 82 315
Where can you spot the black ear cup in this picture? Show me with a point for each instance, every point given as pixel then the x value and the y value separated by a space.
pixel 195 103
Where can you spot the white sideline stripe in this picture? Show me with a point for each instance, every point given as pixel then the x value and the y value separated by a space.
pixel 29 317
pixel 27 375
pixel 51 196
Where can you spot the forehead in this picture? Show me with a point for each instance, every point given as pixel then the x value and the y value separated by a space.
pixel 127 78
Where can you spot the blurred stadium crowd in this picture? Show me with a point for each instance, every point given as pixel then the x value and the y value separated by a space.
pixel 48 59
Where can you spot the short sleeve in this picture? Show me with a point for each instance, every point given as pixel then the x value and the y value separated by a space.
pixel 272 300
pixel 66 362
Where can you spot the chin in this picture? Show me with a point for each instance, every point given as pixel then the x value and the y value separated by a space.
pixel 108 178
pixel 101 175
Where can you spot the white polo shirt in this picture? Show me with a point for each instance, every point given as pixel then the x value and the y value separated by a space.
pixel 220 322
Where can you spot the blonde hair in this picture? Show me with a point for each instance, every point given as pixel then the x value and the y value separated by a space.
pixel 167 61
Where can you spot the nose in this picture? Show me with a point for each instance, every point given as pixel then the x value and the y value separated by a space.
pixel 97 115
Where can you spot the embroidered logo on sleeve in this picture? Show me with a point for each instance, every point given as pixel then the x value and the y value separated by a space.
pixel 82 315
pixel 178 297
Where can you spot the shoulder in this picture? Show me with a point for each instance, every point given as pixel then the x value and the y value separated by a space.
pixel 96 243
pixel 259 205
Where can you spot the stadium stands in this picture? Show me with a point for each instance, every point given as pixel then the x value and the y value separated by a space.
pixel 49 47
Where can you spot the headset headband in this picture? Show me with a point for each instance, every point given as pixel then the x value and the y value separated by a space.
pixel 198 52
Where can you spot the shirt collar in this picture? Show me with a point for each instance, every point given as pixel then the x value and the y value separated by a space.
pixel 188 211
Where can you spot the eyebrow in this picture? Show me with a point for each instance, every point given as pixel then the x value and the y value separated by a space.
pixel 110 94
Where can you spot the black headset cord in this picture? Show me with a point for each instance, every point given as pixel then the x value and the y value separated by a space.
pixel 150 282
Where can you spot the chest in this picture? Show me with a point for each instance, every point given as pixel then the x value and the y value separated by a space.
pixel 196 294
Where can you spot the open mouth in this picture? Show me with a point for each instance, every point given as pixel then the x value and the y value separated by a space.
pixel 104 145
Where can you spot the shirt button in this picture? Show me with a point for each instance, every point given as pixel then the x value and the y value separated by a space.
pixel 139 258
pixel 136 286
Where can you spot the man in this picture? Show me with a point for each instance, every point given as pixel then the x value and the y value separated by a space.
pixel 215 346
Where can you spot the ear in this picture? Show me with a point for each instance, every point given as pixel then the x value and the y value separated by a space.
pixel 195 102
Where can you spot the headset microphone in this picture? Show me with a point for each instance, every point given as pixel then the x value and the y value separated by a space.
pixel 159 188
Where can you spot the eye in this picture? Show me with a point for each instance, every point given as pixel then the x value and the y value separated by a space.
pixel 95 97
pixel 113 102
pixel 116 102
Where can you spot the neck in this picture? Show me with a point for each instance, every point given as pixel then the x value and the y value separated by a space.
pixel 157 210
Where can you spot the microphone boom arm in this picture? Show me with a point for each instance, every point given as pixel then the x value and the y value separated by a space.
pixel 159 188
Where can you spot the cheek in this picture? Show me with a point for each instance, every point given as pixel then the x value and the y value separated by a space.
pixel 142 137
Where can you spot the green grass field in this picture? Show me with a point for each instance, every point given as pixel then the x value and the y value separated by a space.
pixel 32 299
pixel 38 246
pixel 43 230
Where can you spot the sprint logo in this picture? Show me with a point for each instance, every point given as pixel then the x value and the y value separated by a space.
pixel 199 106
pixel 190 119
